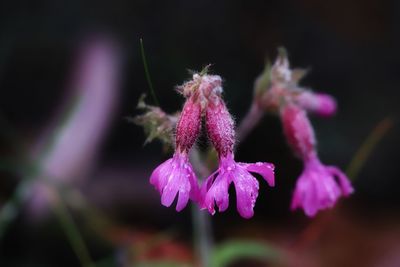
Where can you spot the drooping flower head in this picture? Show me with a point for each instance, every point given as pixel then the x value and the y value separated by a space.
pixel 319 186
pixel 279 83
pixel 176 176
pixel 220 130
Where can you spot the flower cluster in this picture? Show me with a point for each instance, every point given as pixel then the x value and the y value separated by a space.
pixel 319 186
pixel 176 175
pixel 276 91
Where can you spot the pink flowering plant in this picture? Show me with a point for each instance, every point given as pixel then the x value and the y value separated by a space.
pixel 276 91
pixel 188 176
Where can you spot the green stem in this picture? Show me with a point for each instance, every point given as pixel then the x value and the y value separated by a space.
pixel 202 235
pixel 147 72
pixel 70 228
pixel 11 208
pixel 201 221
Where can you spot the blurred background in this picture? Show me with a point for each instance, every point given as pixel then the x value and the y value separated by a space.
pixel 71 72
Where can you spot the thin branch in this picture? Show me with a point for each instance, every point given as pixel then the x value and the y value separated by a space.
pixel 249 122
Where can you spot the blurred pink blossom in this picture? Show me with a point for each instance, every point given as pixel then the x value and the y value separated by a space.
pixel 76 140
pixel 316 188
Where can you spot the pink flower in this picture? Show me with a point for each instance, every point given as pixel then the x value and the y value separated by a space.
pixel 321 104
pixel 319 187
pixel 220 129
pixel 215 188
pixel 176 176
pixel 316 188
pixel 69 147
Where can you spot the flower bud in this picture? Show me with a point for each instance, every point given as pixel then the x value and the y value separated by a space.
pixel 220 126
pixel 298 130
pixel 188 126
pixel 321 104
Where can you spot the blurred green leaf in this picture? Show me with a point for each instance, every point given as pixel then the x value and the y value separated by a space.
pixel 107 262
pixel 232 251
pixel 263 81
pixel 298 74
pixel 205 70
pixel 367 147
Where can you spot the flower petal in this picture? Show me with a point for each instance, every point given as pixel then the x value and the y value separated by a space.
pixel 176 176
pixel 344 182
pixel 246 187
pixel 218 193
pixel 183 197
pixel 169 191
pixel 159 176
pixel 266 170
pixel 296 200
pixel 305 195
pixel 195 193
pixel 317 189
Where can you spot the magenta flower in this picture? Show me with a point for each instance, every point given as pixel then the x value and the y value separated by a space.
pixel 319 187
pixel 321 104
pixel 175 176
pixel 220 129
pixel 316 188
pixel 215 188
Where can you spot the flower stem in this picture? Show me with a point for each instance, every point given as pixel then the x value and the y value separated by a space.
pixel 202 226
pixel 202 235
pixel 252 118
pixel 70 228
pixel 147 72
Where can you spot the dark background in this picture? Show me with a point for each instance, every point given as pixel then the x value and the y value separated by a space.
pixel 351 47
